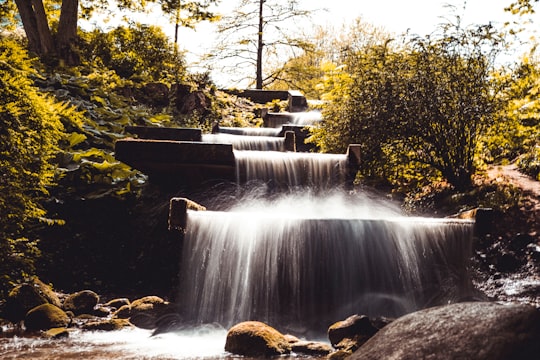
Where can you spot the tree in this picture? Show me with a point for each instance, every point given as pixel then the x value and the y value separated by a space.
pixel 140 50
pixel 187 13
pixel 258 33
pixel 328 45
pixel 30 129
pixel 61 42
pixel 419 108
pixel 522 7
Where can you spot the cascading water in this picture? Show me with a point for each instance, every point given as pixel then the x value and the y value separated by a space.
pixel 302 262
pixel 306 117
pixel 298 261
pixel 255 131
pixel 291 170
pixel 247 142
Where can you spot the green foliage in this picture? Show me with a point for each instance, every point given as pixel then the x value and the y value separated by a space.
pixel 29 134
pixel 86 167
pixel 529 163
pixel 517 132
pixel 8 12
pixel 305 72
pixel 136 51
pixel 439 198
pixel 521 7
pixel 257 35
pixel 426 103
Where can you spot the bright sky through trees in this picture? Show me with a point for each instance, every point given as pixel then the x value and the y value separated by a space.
pixel 397 16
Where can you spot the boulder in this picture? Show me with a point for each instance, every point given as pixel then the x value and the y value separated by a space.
pixel 189 100
pixel 480 331
pixel 26 296
pixel 56 333
pixel 304 347
pixel 339 355
pixel 313 348
pixel 82 302
pixel 117 303
pixel 107 325
pixel 352 332
pixel 45 317
pixel 101 311
pixel 145 311
pixel 254 338
pixel 155 94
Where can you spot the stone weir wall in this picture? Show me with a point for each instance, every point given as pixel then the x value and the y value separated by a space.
pixel 296 100
pixel 177 157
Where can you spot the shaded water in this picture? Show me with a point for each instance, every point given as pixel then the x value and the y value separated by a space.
pixel 302 262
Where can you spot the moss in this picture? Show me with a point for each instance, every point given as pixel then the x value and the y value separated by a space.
pixel 253 338
pixel 44 317
pixel 107 325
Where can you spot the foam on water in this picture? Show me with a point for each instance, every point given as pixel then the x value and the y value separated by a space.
pixel 204 342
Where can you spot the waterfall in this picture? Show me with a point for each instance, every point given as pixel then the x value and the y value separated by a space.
pixel 246 142
pixel 305 262
pixel 291 169
pixel 306 118
pixel 250 131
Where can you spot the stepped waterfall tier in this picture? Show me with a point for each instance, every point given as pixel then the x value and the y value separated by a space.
pixel 304 261
pixel 290 241
pixel 291 169
pixel 247 142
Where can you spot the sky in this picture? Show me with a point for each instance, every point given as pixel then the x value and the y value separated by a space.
pixel 395 16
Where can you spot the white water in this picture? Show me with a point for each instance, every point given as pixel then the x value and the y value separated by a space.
pixel 291 169
pixel 247 142
pixel 303 262
pixel 298 262
pixel 205 342
pixel 250 131
pixel 306 118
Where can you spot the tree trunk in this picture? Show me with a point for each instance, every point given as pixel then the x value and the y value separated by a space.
pixel 67 32
pixel 45 36
pixel 28 18
pixel 260 45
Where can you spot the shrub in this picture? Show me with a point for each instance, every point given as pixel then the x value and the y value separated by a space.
pixel 29 134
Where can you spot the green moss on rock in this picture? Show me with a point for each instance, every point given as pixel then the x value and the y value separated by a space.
pixel 82 302
pixel 254 338
pixel 46 316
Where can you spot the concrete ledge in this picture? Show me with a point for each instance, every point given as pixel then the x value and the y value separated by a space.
pixel 165 151
pixel 354 155
pixel 165 133
pixel 276 119
pixel 301 133
pixel 175 162
pixel 178 208
pixel 483 219
pixel 290 141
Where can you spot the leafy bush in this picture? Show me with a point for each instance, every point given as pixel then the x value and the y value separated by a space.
pixel 29 135
pixel 529 163
pixel 421 107
pixel 441 199
pixel 517 131
pixel 135 51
